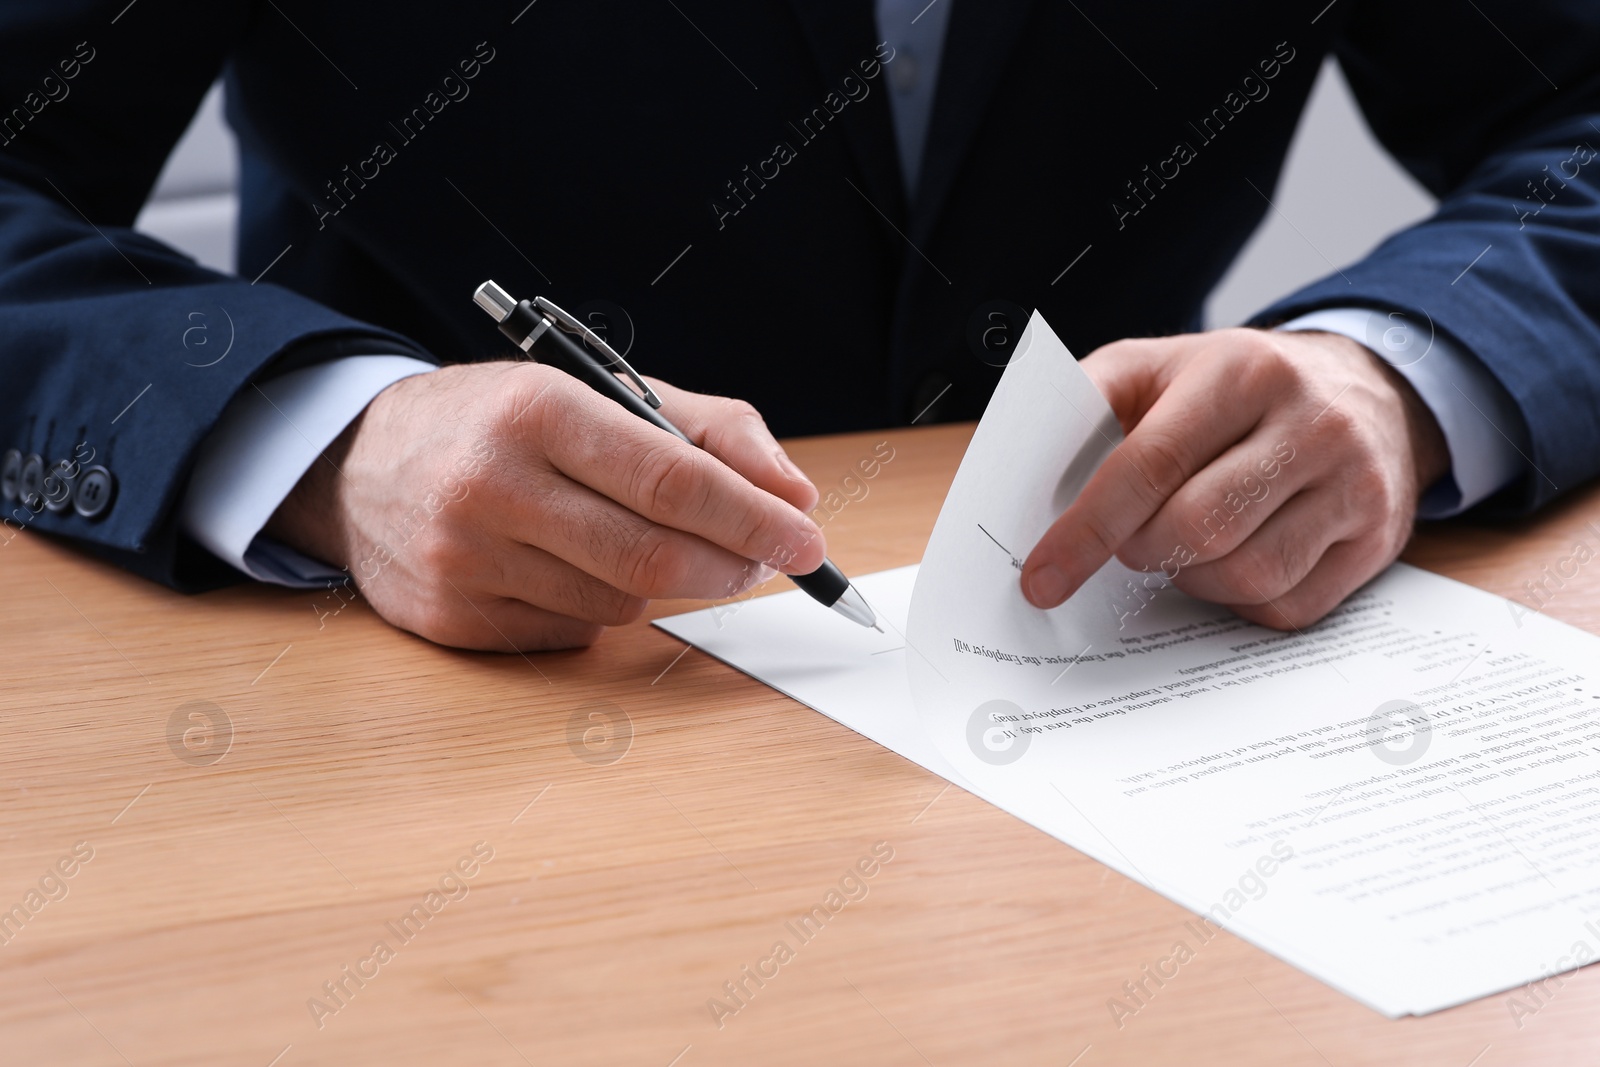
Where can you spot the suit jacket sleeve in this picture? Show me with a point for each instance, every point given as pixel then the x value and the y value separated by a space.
pixel 1506 132
pixel 93 315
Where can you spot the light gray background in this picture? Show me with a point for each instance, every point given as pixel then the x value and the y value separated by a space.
pixel 1340 194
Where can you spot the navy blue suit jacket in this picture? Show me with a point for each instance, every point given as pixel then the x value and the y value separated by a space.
pixel 724 172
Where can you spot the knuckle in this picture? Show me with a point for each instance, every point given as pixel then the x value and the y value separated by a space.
pixel 440 552
pixel 1264 366
pixel 1163 461
pixel 1277 618
pixel 1281 569
pixel 1271 618
pixel 627 609
pixel 1234 580
pixel 530 401
pixel 1279 615
pixel 1099 537
pixel 1143 549
pixel 585 597
pixel 609 606
pixel 1286 565
pixel 1301 615
pixel 742 411
pixel 740 420
pixel 669 483
pixel 564 633
pixel 1256 345
pixel 1126 347
pixel 584 634
pixel 1336 424
pixel 1367 493
pixel 1266 573
pixel 656 566
pixel 1248 575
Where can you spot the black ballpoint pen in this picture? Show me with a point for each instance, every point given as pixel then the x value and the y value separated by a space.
pixel 540 329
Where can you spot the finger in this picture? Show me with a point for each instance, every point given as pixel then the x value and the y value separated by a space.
pixel 1344 568
pixel 489 623
pixel 735 432
pixel 1201 413
pixel 1223 506
pixel 542 580
pixel 1279 556
pixel 1133 373
pixel 614 547
pixel 594 441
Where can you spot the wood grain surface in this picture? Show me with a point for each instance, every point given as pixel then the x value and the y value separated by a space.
pixel 266 789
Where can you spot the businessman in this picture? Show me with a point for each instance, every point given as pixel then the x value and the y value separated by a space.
pixel 828 208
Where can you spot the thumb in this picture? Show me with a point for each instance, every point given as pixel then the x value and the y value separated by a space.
pixel 1132 375
pixel 734 432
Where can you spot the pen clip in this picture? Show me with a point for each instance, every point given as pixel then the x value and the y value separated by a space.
pixel 614 358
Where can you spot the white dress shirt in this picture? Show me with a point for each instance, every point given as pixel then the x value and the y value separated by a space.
pixel 266 439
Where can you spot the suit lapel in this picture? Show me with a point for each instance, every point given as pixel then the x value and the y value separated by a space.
pixel 842 33
pixel 978 42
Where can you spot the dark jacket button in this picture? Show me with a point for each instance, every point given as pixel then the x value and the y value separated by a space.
pixel 95 491
pixel 31 485
pixel 11 476
pixel 58 485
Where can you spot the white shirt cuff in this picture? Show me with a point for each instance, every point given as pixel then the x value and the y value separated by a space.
pixel 1482 426
pixel 266 439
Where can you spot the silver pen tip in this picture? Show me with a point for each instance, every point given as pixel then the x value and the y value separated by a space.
pixel 853 606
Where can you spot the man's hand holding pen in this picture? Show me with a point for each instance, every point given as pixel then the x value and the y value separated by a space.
pixel 583 513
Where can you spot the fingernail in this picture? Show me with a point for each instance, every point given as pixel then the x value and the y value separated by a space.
pixel 790 469
pixel 1046 586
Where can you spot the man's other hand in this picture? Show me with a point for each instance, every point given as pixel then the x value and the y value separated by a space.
pixel 507 506
pixel 1274 473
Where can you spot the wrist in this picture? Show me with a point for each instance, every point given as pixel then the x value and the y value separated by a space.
pixel 1430 454
pixel 308 519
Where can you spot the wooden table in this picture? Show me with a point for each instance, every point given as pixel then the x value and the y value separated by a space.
pixel 348 769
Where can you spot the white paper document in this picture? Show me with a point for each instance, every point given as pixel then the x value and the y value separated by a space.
pixel 1403 800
